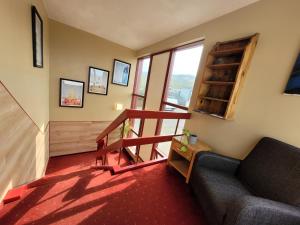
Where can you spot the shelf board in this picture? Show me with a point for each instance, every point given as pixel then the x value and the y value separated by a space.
pixel 181 165
pixel 182 154
pixel 223 66
pixel 208 113
pixel 231 51
pixel 214 99
pixel 219 82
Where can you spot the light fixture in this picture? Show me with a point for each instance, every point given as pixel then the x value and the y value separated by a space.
pixel 119 106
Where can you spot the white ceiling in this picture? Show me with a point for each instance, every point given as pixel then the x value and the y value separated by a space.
pixel 138 23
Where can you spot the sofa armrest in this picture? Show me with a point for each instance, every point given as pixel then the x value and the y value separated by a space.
pixel 251 210
pixel 217 162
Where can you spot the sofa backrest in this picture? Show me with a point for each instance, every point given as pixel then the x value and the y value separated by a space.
pixel 272 170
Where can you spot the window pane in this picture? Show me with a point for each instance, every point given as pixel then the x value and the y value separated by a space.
pixel 142 75
pixel 164 148
pixel 138 103
pixel 132 149
pixel 184 69
pixel 168 127
pixel 136 125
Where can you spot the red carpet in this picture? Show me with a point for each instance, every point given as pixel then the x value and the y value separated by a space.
pixel 73 193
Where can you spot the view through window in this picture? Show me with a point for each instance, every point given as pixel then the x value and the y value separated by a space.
pixel 179 87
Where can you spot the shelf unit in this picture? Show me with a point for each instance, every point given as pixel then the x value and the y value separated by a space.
pixel 223 76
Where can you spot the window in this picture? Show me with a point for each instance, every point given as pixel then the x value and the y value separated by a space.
pixel 178 90
pixel 140 88
pixel 140 84
pixel 181 78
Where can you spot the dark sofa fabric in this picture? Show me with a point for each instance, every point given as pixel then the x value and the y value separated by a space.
pixel 220 188
pixel 250 192
pixel 272 171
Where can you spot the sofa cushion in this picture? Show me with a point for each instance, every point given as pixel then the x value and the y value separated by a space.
pixel 216 190
pixel 272 170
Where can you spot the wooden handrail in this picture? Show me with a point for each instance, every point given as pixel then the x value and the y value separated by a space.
pixel 148 114
pixel 140 140
pixel 117 122
pixel 141 114
pixel 127 142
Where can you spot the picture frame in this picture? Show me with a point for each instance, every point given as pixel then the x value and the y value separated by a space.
pixel 98 80
pixel 71 93
pixel 37 38
pixel 121 72
pixel 293 85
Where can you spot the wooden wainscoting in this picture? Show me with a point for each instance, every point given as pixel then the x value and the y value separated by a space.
pixel 24 148
pixel 68 137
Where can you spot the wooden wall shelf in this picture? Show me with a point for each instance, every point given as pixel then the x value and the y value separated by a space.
pixel 224 74
pixel 228 52
pixel 218 82
pixel 215 99
pixel 223 66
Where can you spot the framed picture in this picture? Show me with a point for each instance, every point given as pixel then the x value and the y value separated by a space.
pixel 293 85
pixel 121 72
pixel 71 93
pixel 98 81
pixel 37 38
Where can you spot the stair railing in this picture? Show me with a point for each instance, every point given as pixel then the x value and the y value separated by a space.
pixel 129 114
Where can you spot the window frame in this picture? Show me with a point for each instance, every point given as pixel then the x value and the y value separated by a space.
pixel 163 102
pixel 168 74
pixel 167 78
pixel 135 95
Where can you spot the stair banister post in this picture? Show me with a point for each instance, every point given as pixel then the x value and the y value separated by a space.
pixel 154 145
pixel 122 135
pixel 176 126
pixel 105 156
pixel 140 135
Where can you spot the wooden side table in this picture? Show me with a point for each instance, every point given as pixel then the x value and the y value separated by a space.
pixel 183 161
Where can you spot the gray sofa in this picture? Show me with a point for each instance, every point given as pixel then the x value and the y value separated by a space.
pixel 262 189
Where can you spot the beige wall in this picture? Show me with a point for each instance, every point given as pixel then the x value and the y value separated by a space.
pixel 262 109
pixel 72 52
pixel 24 147
pixel 155 89
pixel 29 85
pixel 23 134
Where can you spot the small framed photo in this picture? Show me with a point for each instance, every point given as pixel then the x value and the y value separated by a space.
pixel 37 38
pixel 121 71
pixel 98 81
pixel 71 93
